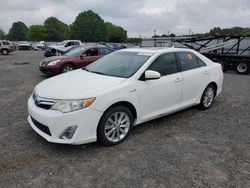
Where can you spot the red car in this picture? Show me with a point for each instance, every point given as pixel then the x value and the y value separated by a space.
pixel 76 58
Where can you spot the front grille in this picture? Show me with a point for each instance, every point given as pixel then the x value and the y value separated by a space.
pixel 44 106
pixel 43 102
pixel 41 127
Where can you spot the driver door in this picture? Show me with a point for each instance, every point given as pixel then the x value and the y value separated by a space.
pixel 88 57
pixel 161 96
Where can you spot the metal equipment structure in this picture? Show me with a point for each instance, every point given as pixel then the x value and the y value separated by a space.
pixel 232 51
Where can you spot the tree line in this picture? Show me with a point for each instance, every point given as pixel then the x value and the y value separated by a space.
pixel 87 27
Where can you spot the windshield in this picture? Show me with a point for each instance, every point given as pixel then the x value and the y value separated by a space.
pixel 119 64
pixel 61 43
pixel 75 52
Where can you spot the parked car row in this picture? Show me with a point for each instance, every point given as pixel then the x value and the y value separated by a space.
pixel 106 98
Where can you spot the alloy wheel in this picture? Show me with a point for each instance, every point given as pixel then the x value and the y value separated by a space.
pixel 117 126
pixel 208 97
pixel 67 68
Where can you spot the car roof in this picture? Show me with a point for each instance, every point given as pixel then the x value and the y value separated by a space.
pixel 155 50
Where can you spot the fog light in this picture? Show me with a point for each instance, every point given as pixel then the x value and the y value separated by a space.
pixel 68 133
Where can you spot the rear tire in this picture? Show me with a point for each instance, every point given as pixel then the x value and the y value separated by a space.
pixel 4 52
pixel 115 125
pixel 241 68
pixel 207 98
pixel 67 68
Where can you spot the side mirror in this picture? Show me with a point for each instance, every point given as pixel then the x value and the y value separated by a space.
pixel 152 75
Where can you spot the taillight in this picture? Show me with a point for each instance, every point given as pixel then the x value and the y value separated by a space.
pixel 222 68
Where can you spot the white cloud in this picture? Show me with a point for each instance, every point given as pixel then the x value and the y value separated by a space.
pixel 138 17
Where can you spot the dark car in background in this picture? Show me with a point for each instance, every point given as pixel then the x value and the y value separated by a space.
pixel 77 58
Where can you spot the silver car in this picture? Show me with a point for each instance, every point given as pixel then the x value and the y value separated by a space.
pixel 6 47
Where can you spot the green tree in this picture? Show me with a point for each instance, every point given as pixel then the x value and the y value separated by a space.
pixel 89 27
pixel 37 33
pixel 134 40
pixel 115 33
pixel 2 34
pixel 18 31
pixel 215 31
pixel 56 29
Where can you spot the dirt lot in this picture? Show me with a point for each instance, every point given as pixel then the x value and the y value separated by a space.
pixel 191 148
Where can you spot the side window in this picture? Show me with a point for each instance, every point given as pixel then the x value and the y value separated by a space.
pixel 104 51
pixel 165 64
pixel 92 52
pixel 200 62
pixel 187 60
pixel 5 43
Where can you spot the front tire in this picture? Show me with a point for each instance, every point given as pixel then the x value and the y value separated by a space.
pixel 4 52
pixel 67 68
pixel 115 125
pixel 207 98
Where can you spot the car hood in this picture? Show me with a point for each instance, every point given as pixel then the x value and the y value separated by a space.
pixel 60 48
pixel 78 84
pixel 53 58
pixel 49 59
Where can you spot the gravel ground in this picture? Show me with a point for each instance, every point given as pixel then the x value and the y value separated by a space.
pixel 191 148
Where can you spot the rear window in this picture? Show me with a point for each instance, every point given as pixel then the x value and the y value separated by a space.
pixel 187 60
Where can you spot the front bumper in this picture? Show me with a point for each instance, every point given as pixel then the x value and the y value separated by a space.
pixel 57 122
pixel 49 70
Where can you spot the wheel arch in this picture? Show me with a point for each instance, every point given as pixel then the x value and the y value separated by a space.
pixel 214 85
pixel 4 49
pixel 129 105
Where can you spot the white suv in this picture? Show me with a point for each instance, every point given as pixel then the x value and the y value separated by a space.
pixel 66 44
pixel 6 47
pixel 125 88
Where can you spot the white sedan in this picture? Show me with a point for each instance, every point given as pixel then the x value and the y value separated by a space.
pixel 105 99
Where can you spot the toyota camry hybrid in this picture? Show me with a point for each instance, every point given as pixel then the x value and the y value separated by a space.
pixel 104 100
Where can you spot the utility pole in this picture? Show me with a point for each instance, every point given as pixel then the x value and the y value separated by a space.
pixel 189 31
pixel 154 38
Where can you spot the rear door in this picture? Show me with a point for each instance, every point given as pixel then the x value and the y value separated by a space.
pixel 195 77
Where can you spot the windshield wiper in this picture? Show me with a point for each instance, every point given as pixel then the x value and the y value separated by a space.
pixel 93 71
pixel 97 72
pixel 84 68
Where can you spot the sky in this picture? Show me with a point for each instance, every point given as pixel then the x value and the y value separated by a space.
pixel 138 17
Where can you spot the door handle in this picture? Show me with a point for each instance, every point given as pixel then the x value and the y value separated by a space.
pixel 178 79
pixel 206 72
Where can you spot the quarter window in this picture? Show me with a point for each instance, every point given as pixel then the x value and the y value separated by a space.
pixel 200 62
pixel 104 51
pixel 165 64
pixel 187 60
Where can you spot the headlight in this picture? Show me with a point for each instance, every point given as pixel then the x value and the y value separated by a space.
pixel 72 105
pixel 53 62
